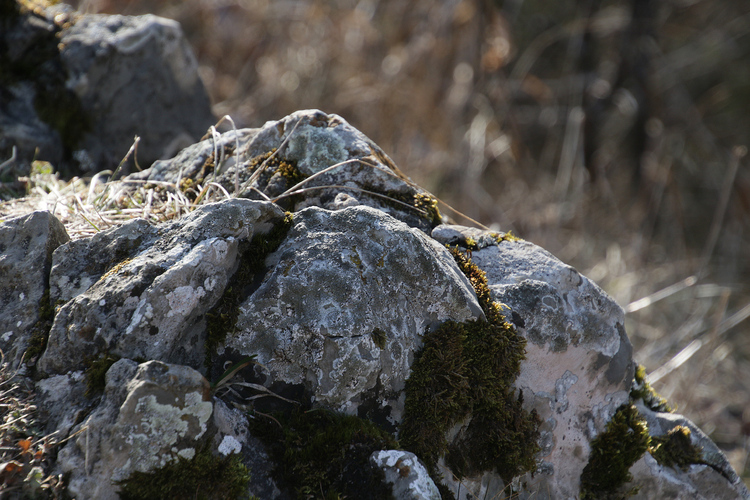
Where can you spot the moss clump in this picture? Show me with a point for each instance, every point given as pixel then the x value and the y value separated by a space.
pixel 613 453
pixel 96 371
pixel 379 337
pixel 276 164
pixel 467 369
pixel 676 449
pixel 322 454
pixel 222 318
pixel 205 476
pixel 509 236
pixel 40 330
pixel 643 391
pixel 429 204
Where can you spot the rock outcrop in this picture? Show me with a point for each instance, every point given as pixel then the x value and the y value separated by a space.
pixel 298 314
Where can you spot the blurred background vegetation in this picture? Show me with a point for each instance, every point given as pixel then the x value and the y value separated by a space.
pixel 611 132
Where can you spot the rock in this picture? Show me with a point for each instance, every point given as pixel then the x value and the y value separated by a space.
pixel 151 414
pixel 578 368
pixel 308 142
pixel 715 479
pixel 77 88
pixel 136 291
pixel 134 76
pixel 408 476
pixel 343 308
pixel 336 308
pixel 26 246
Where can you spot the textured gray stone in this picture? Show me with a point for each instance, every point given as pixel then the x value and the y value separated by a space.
pixel 337 278
pixel 714 480
pixel 314 141
pixel 26 246
pixel 160 283
pixel 151 414
pixel 103 80
pixel 135 76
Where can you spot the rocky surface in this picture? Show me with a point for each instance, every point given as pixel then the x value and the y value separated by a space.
pixel 76 89
pixel 324 308
pixel 26 246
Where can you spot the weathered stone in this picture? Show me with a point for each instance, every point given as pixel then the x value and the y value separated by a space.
pixel 715 479
pixel 26 246
pixel 151 414
pixel 579 364
pixel 344 306
pixel 406 474
pixel 83 86
pixel 158 285
pixel 310 141
pixel 334 318
pixel 134 76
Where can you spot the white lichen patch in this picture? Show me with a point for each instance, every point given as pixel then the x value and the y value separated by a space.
pixel 182 300
pixel 161 426
pixel 229 445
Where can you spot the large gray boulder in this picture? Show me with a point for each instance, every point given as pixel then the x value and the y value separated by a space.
pixel 333 309
pixel 134 76
pixel 77 88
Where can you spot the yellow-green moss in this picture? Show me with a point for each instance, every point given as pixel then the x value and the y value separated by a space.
pixel 221 319
pixel 676 449
pixel 643 391
pixel 509 236
pixel 323 454
pixel 613 452
pixel 205 476
pixel 467 369
pixel 277 164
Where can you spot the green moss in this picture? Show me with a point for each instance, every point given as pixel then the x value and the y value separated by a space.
pixel 40 331
pixel 322 454
pixel 276 164
pixel 467 369
pixel 676 449
pixel 429 204
pixel 95 373
pixel 379 337
pixel 509 236
pixel 205 476
pixel 222 318
pixel 643 391
pixel 613 453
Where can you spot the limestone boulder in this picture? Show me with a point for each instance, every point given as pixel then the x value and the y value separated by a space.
pixel 344 305
pixel 142 292
pixel 150 415
pixel 332 164
pixel 327 309
pixel 26 247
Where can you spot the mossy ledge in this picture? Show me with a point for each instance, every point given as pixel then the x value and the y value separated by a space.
pixel 613 452
pixel 205 476
pixel 322 454
pixel 675 449
pixel 222 318
pixel 467 369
